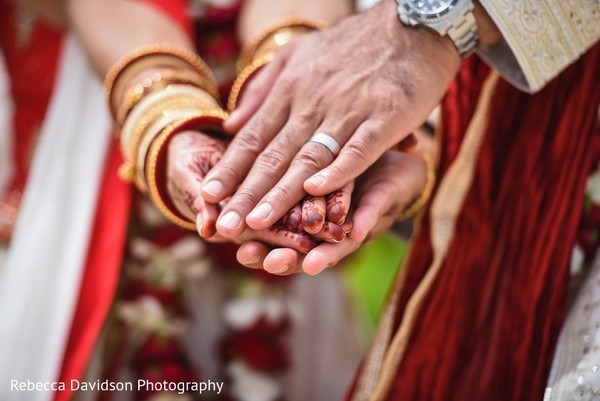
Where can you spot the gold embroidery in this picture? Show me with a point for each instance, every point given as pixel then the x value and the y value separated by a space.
pixel 546 36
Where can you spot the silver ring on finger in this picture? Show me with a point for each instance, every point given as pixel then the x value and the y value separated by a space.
pixel 328 141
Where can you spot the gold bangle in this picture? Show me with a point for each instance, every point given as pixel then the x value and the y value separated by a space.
pixel 150 133
pixel 423 198
pixel 132 148
pixel 240 81
pixel 215 118
pixel 155 101
pixel 156 81
pixel 155 55
pixel 293 27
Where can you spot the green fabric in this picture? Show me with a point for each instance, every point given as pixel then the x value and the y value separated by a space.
pixel 369 273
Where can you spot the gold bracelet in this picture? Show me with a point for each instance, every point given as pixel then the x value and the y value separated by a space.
pixel 240 81
pixel 423 198
pixel 212 119
pixel 156 101
pixel 153 56
pixel 150 133
pixel 166 110
pixel 155 82
pixel 289 28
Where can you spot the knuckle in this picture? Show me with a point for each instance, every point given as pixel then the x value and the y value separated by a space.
pixel 283 191
pixel 271 159
pixel 250 139
pixel 246 197
pixel 227 172
pixel 288 83
pixel 312 108
pixel 311 161
pixel 386 104
pixel 352 119
pixel 357 151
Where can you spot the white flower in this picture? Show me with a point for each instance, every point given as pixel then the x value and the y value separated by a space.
pixel 150 215
pixel 250 385
pixel 186 249
pixel 141 248
pixel 242 313
pixel 148 315
pixel 593 187
pixel 577 259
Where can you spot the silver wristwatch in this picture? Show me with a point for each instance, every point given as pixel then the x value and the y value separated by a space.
pixel 447 17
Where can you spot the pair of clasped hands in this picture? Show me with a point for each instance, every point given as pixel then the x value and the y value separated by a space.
pixel 368 82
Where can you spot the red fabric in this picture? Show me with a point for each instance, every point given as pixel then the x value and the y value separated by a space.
pixel 30 64
pixel 101 274
pixel 174 9
pixel 106 249
pixel 487 330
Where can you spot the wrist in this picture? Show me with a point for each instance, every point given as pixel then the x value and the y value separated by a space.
pixel 417 40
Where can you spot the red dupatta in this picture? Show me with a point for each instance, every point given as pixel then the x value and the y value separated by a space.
pixel 487 328
pixel 105 254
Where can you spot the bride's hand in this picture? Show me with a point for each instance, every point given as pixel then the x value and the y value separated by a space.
pixel 382 193
pixel 191 155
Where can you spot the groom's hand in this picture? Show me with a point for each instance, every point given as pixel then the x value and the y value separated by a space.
pixel 366 82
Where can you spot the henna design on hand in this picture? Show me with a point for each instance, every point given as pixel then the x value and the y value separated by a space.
pixel 205 153
pixel 331 232
pixel 313 214
pixel 293 219
pixel 315 219
pixel 338 204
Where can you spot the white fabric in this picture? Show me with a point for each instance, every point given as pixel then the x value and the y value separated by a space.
pixel 5 129
pixel 5 139
pixel 576 372
pixel 327 341
pixel 39 286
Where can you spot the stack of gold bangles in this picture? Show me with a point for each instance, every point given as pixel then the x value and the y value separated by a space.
pixel 261 50
pixel 153 93
pixel 159 90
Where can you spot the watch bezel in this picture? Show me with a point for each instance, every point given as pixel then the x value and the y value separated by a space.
pixel 409 13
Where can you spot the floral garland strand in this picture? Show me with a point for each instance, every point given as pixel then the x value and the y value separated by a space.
pixel 253 351
pixel 151 313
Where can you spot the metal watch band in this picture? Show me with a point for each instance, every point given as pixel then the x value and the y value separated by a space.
pixel 464 32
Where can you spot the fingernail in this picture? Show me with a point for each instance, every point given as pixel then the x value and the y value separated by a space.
pixel 252 261
pixel 282 270
pixel 320 270
pixel 262 211
pixel 317 180
pixel 199 223
pixel 213 187
pixel 231 220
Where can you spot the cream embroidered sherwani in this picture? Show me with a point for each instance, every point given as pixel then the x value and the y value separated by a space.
pixel 541 37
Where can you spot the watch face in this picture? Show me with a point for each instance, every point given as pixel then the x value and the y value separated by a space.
pixel 429 9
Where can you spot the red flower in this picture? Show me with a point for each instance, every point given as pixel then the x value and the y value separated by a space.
pixel 260 353
pixel 157 350
pixel 593 217
pixel 588 241
pixel 224 255
pixel 170 299
pixel 267 329
pixel 168 235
